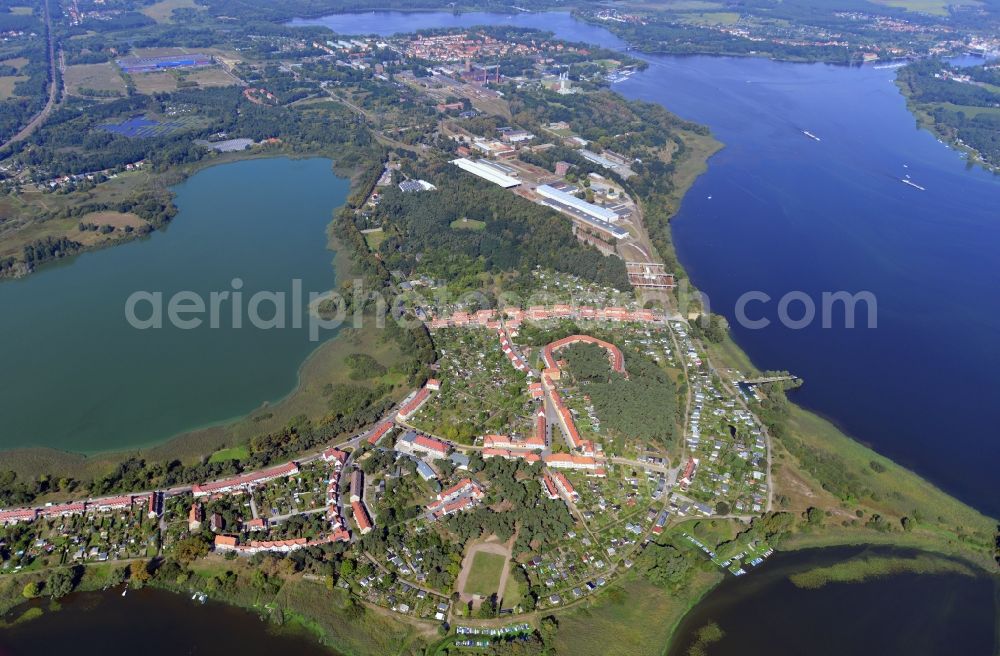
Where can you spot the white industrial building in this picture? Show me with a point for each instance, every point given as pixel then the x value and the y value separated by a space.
pixel 486 172
pixel 591 210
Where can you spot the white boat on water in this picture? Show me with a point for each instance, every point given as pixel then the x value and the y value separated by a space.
pixel 912 184
pixel 810 135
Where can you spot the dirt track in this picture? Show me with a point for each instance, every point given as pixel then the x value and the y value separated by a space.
pixel 492 547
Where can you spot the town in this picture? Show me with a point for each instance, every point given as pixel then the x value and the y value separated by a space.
pixel 533 418
pixel 418 467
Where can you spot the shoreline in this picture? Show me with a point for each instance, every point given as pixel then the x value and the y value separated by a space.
pixel 300 618
pixel 65 462
pixel 170 179
pixel 925 122
pixel 835 539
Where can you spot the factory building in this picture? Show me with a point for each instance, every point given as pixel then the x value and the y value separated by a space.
pixel 486 172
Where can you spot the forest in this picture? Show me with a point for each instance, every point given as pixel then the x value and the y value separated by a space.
pixel 640 405
pixel 963 111
pixel 284 11
pixel 518 235
pixel 30 93
pixel 75 140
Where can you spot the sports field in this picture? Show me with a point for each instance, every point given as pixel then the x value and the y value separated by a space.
pixel 484 575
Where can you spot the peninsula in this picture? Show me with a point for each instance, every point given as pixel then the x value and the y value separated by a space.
pixel 540 435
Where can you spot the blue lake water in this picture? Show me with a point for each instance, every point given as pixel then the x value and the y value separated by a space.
pixel 788 213
pixel 77 376
pixel 764 612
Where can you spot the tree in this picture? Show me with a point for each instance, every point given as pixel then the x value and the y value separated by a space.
pixel 31 589
pixel 60 583
pixel 191 548
pixel 139 572
pixel 547 629
pixel 118 576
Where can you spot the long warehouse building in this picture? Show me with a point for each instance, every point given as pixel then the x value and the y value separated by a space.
pixel 595 211
pixel 601 226
pixel 486 172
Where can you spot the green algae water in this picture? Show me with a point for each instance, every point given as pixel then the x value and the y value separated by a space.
pixel 75 375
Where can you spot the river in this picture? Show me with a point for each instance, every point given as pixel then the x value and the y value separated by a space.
pixel 153 623
pixel 78 376
pixel 778 212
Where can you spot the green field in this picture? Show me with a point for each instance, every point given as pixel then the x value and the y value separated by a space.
pixel 935 7
pixel 968 110
pixel 631 618
pixel 232 453
pixel 374 238
pixel 468 224
pixel 95 77
pixel 484 577
pixel 7 85
pixel 162 11
pixel 512 593
pixel 712 18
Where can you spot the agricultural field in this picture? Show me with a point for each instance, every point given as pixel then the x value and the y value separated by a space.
pixel 164 81
pixel 208 76
pixel 81 79
pixel 155 82
pixel 712 18
pixel 933 7
pixel 162 11
pixel 7 83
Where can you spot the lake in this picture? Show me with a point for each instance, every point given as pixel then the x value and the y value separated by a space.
pixel 763 612
pixel 153 623
pixel 778 212
pixel 78 376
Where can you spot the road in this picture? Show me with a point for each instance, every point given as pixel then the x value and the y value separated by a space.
pixel 54 63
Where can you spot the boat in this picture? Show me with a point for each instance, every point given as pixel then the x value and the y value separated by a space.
pixel 124 592
pixel 912 184
pixel 810 135
pixel 891 65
